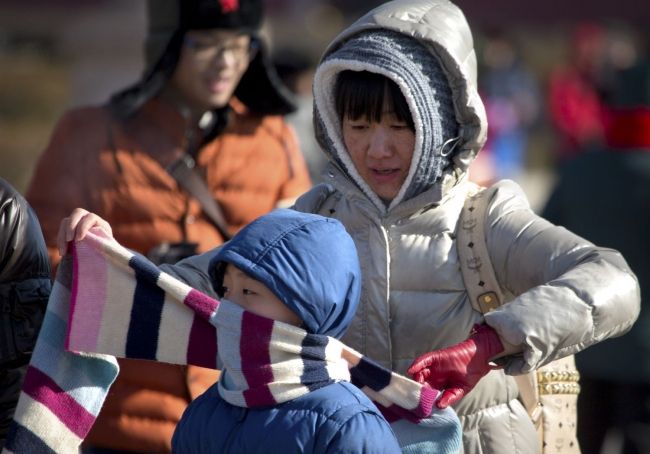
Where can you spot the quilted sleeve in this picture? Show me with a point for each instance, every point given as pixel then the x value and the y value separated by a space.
pixel 568 293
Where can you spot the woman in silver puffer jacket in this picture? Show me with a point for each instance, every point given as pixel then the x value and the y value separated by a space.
pixel 568 294
pixel 399 117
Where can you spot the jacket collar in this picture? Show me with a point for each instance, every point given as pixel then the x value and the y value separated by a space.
pixel 434 196
pixel 161 118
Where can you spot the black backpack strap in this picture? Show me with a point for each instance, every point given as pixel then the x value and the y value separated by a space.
pixel 183 170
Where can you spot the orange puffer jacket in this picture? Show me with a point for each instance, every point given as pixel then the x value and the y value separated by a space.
pixel 117 170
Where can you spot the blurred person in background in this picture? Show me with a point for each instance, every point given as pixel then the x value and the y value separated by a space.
pixel 296 69
pixel 623 49
pixel 207 113
pixel 604 196
pixel 511 96
pixel 24 289
pixel 575 96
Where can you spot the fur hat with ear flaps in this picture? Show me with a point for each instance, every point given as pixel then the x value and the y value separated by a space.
pixel 260 88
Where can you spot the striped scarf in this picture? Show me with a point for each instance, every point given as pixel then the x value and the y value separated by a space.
pixel 119 304
pixel 267 363
pixel 62 392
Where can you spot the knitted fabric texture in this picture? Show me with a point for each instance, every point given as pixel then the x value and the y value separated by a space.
pixel 148 314
pixel 423 83
pixel 267 363
pixel 122 305
pixel 62 392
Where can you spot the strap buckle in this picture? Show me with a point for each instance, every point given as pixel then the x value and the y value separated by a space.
pixel 488 302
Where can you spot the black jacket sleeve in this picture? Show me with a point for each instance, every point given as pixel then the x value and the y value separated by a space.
pixel 25 286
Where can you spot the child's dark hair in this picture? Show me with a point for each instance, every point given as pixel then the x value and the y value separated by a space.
pixel 217 272
pixel 363 94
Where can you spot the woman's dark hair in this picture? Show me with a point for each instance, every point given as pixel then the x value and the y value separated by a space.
pixel 363 94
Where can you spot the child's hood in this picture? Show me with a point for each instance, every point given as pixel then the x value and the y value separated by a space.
pixel 308 261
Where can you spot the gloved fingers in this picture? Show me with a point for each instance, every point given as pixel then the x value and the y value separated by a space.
pixel 449 397
pixel 421 362
pixel 422 375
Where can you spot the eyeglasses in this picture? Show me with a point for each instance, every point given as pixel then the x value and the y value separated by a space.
pixel 204 49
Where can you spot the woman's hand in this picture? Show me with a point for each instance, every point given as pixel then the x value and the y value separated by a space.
pixel 76 226
pixel 455 370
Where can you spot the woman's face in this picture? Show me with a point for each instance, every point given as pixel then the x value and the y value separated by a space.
pixel 381 151
pixel 211 64
pixel 255 297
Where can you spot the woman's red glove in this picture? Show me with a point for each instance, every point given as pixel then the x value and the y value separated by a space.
pixel 458 368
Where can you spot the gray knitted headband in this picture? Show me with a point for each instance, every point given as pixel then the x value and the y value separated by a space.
pixel 420 77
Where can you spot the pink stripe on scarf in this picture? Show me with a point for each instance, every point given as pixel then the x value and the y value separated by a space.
pixel 94 275
pixel 428 397
pixel 44 390
pixel 254 346
pixel 202 344
pixel 424 409
pixel 201 304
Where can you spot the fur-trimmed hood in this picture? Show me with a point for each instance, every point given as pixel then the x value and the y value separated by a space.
pixel 442 29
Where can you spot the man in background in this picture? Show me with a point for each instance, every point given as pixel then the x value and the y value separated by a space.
pixel 177 163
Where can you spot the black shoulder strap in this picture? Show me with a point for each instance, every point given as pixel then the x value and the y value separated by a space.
pixel 184 172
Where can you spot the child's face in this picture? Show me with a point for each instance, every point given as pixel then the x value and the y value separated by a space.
pixel 255 297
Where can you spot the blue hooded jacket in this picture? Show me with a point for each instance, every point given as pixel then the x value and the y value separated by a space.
pixel 310 263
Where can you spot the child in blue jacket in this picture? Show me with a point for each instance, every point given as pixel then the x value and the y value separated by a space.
pixel 288 285
pixel 303 270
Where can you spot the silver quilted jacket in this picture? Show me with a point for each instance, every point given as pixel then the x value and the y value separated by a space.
pixel 568 293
